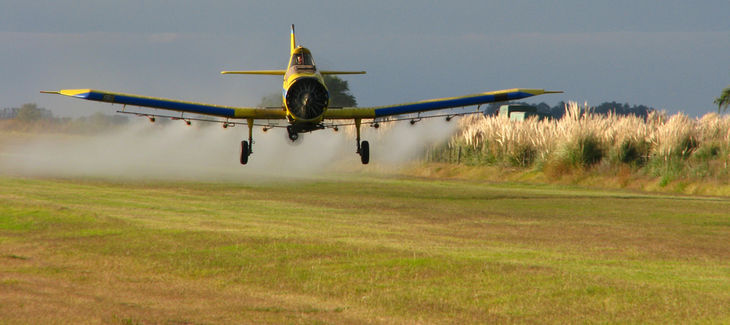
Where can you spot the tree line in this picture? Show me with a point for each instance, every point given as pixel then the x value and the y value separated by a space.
pixel 30 117
pixel 558 110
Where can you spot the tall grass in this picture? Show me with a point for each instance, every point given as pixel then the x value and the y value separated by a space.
pixel 672 147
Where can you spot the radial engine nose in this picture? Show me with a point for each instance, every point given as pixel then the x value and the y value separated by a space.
pixel 307 99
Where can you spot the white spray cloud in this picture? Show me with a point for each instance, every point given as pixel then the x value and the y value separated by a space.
pixel 143 150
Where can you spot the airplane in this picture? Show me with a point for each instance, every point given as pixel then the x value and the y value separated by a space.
pixel 305 104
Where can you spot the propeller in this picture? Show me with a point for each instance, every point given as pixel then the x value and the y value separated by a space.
pixel 307 98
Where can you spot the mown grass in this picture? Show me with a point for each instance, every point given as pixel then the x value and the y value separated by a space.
pixel 357 250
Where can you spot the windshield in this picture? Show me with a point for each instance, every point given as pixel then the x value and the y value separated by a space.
pixel 302 58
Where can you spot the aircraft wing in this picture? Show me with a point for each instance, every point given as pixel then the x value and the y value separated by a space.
pixel 264 72
pixel 174 105
pixel 435 104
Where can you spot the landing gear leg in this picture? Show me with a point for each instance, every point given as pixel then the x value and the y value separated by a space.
pixel 247 146
pixel 363 148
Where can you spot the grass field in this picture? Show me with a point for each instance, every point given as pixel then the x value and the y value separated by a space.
pixel 357 249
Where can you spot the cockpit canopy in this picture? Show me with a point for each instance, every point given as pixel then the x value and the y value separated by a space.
pixel 302 57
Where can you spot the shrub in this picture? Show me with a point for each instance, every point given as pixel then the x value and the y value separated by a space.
pixel 633 152
pixel 588 151
pixel 521 155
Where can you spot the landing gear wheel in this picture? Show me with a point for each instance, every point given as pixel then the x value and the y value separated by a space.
pixel 293 135
pixel 245 152
pixel 365 152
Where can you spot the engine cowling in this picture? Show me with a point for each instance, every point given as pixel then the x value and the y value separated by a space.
pixel 307 99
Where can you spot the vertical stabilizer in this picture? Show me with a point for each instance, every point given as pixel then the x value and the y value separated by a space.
pixel 293 40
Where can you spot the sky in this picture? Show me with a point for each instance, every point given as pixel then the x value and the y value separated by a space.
pixel 671 55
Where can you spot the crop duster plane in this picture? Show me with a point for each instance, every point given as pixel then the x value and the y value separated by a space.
pixel 305 105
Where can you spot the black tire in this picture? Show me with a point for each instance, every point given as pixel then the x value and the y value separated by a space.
pixel 365 152
pixel 292 134
pixel 245 152
pixel 294 139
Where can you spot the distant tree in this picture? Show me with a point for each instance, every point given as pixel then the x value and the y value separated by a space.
pixel 492 109
pixel 558 111
pixel 8 113
pixel 271 100
pixel 31 112
pixel 622 109
pixel 723 101
pixel 339 92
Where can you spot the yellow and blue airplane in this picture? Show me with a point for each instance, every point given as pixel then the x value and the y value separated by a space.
pixel 305 101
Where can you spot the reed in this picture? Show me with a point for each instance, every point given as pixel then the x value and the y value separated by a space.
pixel 660 145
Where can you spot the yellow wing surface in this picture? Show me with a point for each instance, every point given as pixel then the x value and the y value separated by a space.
pixel 174 105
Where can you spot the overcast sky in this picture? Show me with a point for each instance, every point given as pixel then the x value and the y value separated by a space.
pixel 672 55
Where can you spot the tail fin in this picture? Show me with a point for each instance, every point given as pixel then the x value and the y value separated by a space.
pixel 293 40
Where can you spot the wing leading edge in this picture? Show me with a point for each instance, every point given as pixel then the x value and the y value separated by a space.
pixel 283 72
pixel 436 104
pixel 174 105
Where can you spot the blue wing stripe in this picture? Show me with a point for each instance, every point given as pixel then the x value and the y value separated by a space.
pixel 157 103
pixel 449 103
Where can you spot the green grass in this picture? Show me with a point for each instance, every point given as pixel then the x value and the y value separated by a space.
pixel 357 250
